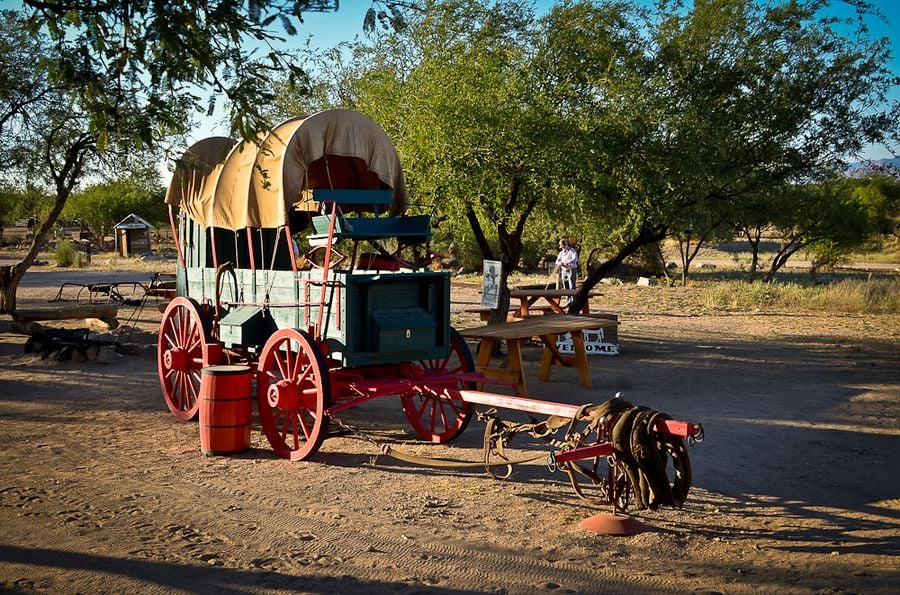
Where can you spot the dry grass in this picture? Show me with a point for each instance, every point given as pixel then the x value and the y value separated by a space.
pixel 874 296
pixel 106 261
pixel 888 252
pixel 861 296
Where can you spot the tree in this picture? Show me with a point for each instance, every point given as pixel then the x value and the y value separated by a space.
pixel 94 80
pixel 695 233
pixel 44 139
pixel 173 52
pixel 752 218
pixel 826 218
pixel 696 108
pixel 650 117
pixel 879 191
pixel 101 206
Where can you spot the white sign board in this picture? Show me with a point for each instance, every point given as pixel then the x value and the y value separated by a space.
pixel 593 344
pixel 490 288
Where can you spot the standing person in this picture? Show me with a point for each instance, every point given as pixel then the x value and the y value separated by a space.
pixel 567 265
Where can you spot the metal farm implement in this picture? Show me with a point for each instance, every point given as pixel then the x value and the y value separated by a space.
pixel 351 320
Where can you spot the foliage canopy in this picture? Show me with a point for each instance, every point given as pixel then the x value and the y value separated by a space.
pixel 625 122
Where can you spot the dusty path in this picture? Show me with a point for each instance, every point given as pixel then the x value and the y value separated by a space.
pixel 796 489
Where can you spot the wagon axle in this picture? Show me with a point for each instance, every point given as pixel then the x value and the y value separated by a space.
pixel 177 359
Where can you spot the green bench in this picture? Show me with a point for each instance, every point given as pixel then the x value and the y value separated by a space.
pixel 410 230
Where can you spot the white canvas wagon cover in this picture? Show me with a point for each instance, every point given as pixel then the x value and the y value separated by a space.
pixel 222 183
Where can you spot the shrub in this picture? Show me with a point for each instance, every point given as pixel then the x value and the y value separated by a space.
pixel 64 255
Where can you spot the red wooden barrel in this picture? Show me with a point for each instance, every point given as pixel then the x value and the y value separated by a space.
pixel 226 409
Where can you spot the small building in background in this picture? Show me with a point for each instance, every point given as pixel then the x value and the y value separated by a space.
pixel 133 236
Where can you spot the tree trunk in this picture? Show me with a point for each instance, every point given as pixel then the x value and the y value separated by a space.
pixel 9 283
pixel 754 240
pixel 782 257
pixel 66 176
pixel 684 249
pixel 510 242
pixel 488 254
pixel 662 260
pixel 688 256
pixel 644 237
pixel 499 315
pixel 9 286
pixel 478 232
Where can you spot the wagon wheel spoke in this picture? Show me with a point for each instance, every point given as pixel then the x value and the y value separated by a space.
pixel 181 326
pixel 182 390
pixel 294 368
pixel 302 425
pixel 444 422
pixel 417 412
pixel 433 418
pixel 177 392
pixel 436 364
pixel 306 377
pixel 195 345
pixel 192 383
pixel 284 360
pixel 170 339
pixel 285 427
pixel 458 407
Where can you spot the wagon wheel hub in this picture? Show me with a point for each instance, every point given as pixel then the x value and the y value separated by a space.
pixel 176 358
pixel 284 394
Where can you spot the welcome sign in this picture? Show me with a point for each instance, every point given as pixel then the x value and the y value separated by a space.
pixel 596 342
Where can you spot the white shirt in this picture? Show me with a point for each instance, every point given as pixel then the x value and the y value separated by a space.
pixel 567 258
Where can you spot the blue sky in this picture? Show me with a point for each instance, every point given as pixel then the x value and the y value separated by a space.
pixel 327 29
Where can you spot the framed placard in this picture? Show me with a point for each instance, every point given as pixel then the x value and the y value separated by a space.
pixel 490 287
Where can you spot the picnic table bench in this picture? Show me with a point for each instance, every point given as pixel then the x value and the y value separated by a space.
pixel 518 333
pixel 529 297
pixel 484 313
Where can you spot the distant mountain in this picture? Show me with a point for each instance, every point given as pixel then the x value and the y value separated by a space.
pixel 861 168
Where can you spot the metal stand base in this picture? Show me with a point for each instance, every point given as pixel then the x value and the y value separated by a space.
pixel 614 524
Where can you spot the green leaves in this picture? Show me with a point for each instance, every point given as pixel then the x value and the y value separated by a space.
pixel 101 206
pixel 645 119
pixel 164 50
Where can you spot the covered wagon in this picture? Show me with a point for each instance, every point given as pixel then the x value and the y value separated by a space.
pixel 316 322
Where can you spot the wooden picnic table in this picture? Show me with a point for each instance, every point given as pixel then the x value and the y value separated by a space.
pixel 517 333
pixel 528 297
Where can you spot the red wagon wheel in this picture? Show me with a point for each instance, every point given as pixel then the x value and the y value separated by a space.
pixel 441 419
pixel 182 351
pixel 293 391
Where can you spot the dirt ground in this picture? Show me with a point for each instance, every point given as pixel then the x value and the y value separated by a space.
pixel 796 488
